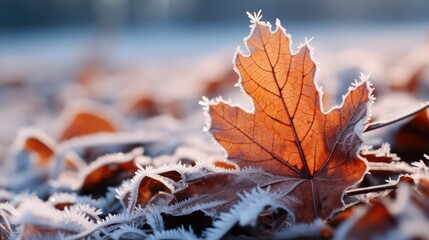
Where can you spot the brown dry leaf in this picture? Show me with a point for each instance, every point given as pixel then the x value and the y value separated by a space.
pixel 411 141
pixel 44 152
pixel 173 175
pixel 340 217
pixel 109 170
pixel 38 144
pixel 107 175
pixel 289 134
pixel 223 187
pixel 144 106
pixel 215 183
pixel 147 189
pixel 381 155
pixel 377 215
pixel 148 106
pixel 85 123
pixel 404 218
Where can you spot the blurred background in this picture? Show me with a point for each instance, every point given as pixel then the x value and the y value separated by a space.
pixel 146 58
pixel 164 27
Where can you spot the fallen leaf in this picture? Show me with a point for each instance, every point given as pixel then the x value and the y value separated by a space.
pixel 86 118
pixel 256 214
pixel 149 106
pixel 340 217
pixel 377 215
pixel 109 170
pixel 381 155
pixel 37 143
pixel 222 186
pixel 289 134
pixel 411 141
pixel 144 106
pixel 110 174
pixel 173 175
pixel 42 149
pixel 86 123
pixel 404 218
pixel 148 188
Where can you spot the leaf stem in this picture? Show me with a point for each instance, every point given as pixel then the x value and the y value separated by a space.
pixel 380 124
pixel 378 188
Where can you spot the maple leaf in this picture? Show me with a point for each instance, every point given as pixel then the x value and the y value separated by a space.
pixel 289 134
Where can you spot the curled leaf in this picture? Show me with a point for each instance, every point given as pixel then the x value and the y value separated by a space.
pixel 37 143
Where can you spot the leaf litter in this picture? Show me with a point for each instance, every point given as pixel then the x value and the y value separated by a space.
pixel 282 168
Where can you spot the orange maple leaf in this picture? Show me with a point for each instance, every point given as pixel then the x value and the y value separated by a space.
pixel 289 134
